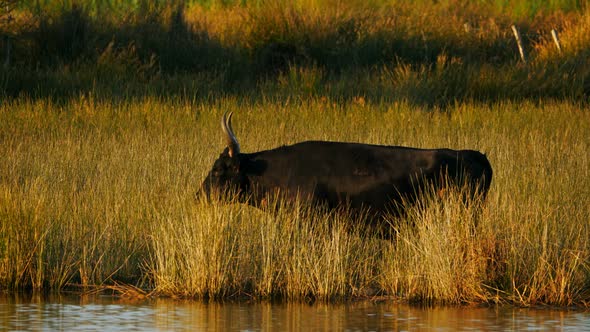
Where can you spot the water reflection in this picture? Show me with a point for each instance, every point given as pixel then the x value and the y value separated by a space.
pixel 99 313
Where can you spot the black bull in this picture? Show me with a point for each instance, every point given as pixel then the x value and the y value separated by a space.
pixel 373 178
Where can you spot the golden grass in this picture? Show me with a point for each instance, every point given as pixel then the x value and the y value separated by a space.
pixel 96 188
pixel 102 193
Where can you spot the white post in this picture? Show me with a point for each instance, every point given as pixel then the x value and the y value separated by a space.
pixel 556 39
pixel 519 43
pixel 467 27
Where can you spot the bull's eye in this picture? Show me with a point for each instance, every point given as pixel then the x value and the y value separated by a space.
pixel 216 173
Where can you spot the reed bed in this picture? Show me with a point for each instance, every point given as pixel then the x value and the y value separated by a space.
pixel 109 123
pixel 97 192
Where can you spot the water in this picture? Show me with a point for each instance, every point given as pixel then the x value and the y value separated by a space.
pixel 100 313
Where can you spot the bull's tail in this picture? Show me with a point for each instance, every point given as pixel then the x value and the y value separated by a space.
pixel 479 170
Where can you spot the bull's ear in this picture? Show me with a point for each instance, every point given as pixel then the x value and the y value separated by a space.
pixel 234 164
pixel 225 153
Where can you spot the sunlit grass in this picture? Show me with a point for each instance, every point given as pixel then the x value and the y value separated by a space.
pixel 109 121
pixel 294 253
pixel 93 192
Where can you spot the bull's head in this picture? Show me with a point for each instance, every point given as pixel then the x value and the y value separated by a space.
pixel 225 176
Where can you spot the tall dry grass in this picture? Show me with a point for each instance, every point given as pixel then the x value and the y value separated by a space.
pixel 95 192
pixel 235 251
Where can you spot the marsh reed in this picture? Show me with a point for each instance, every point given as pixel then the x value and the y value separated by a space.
pixel 99 193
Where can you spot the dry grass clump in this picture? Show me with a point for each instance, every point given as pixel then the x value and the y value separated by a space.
pixel 235 251
pixel 442 252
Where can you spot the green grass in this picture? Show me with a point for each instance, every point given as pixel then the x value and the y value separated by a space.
pixel 95 192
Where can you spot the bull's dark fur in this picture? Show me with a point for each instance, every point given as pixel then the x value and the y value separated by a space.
pixel 375 178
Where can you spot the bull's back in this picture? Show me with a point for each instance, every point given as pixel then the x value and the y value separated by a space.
pixel 359 174
pixel 336 159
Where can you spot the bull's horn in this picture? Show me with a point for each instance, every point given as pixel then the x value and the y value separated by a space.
pixel 232 141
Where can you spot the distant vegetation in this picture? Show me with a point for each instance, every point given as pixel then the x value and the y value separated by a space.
pixel 418 51
pixel 109 121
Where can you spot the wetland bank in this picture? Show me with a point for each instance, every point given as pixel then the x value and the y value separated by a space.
pixel 104 145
